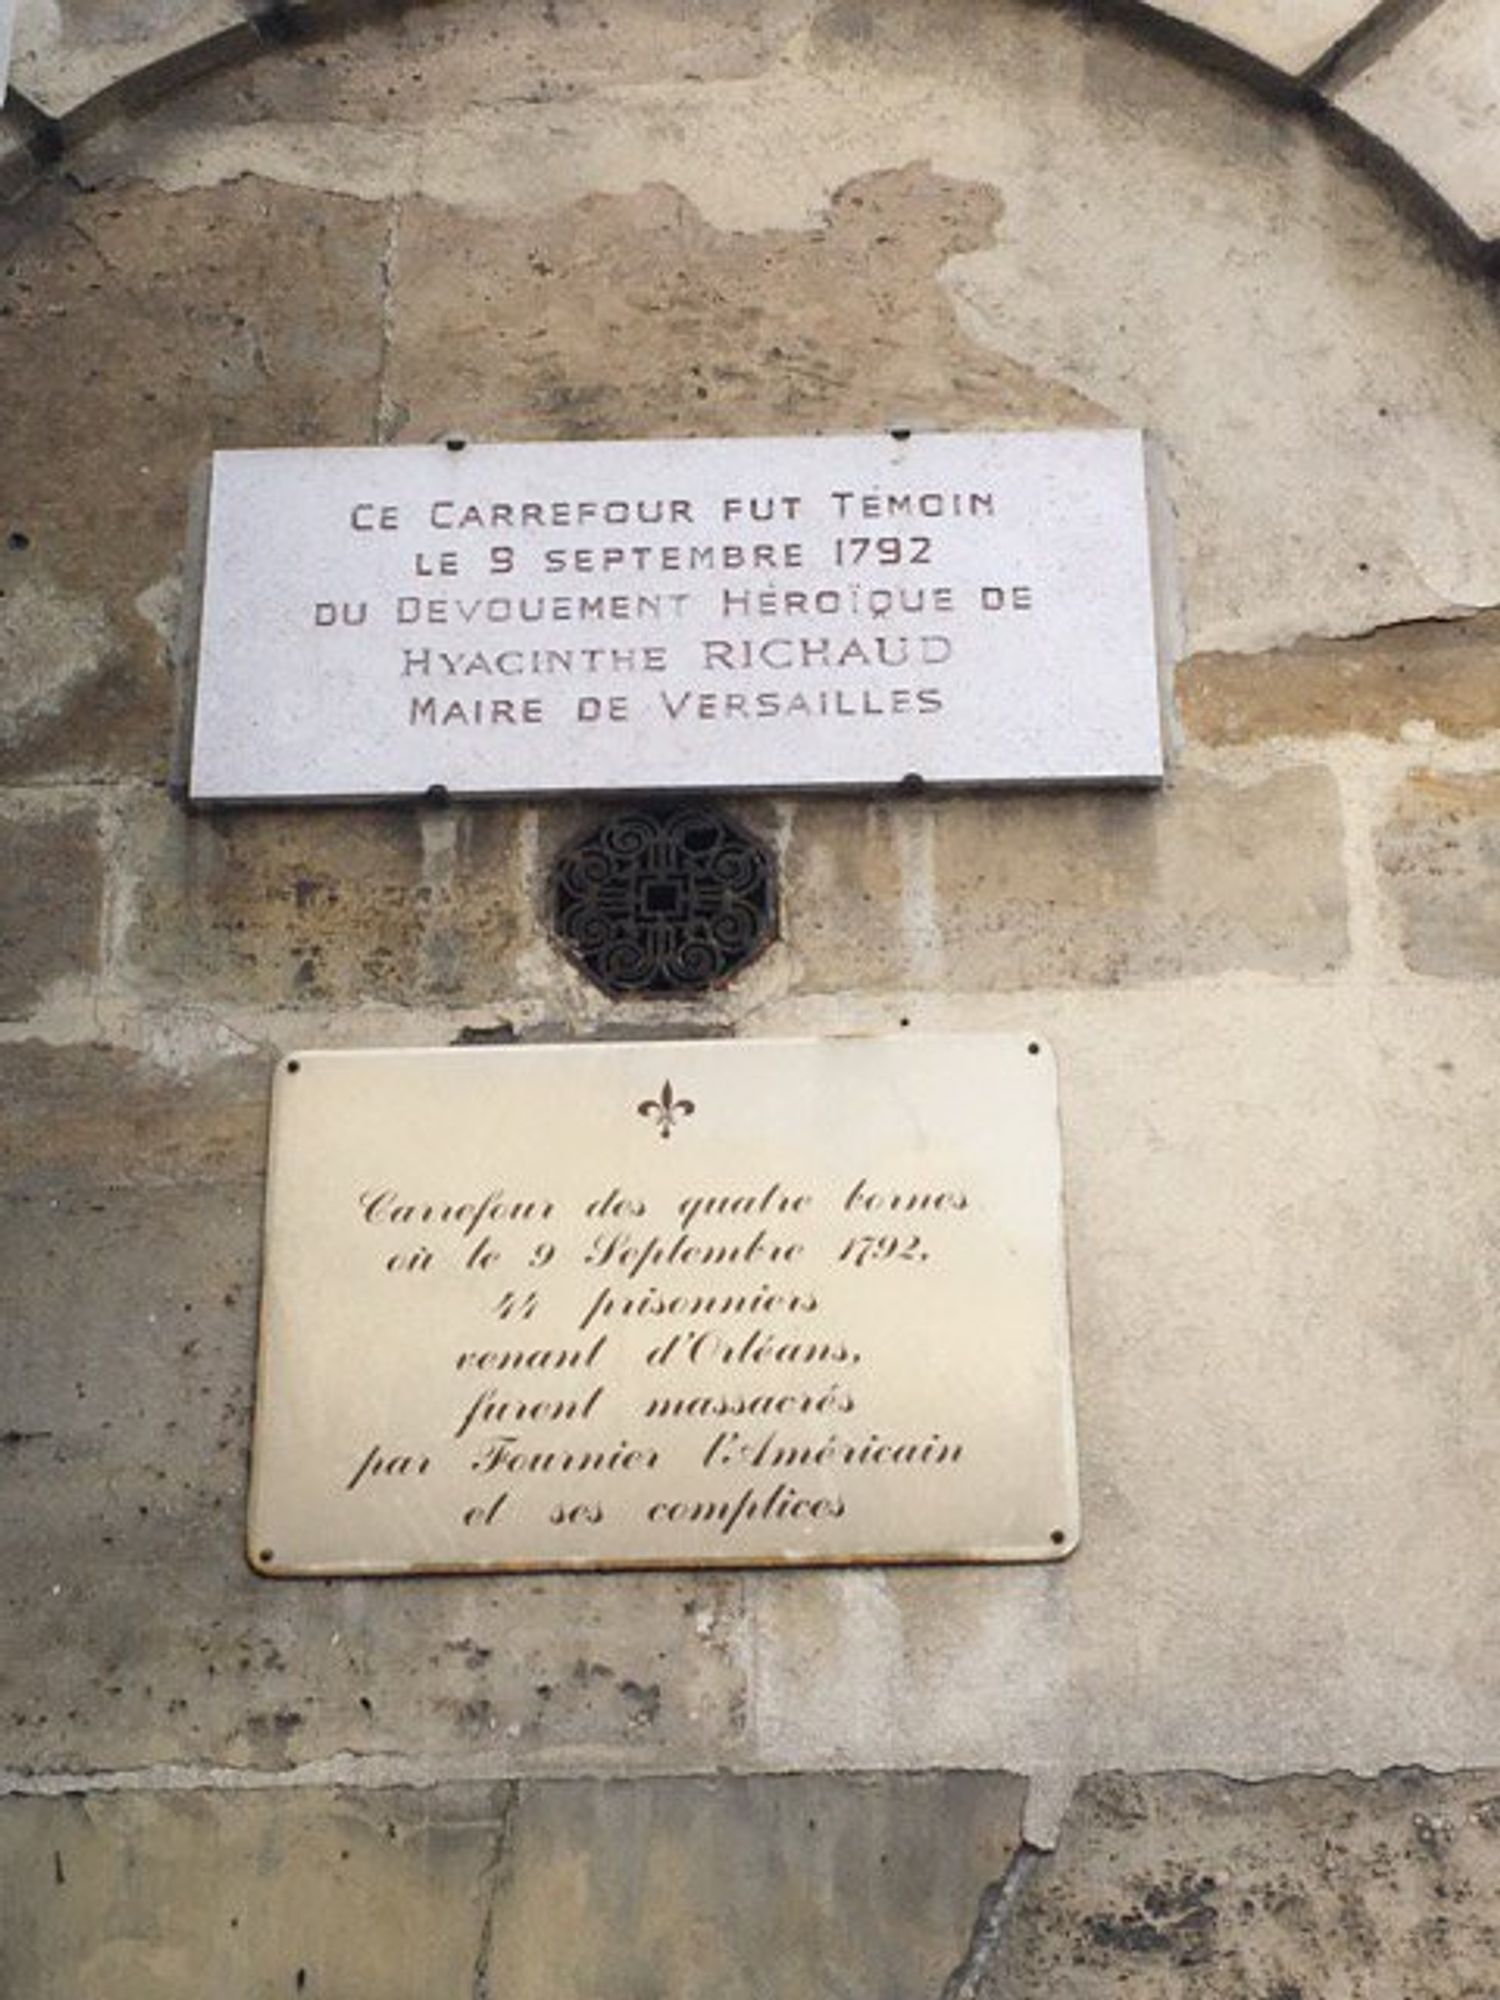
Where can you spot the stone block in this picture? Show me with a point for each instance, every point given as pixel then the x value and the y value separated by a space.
pixel 79 63
pixel 1440 858
pixel 51 891
pixel 852 910
pixel 53 645
pixel 477 914
pixel 239 315
pixel 135 1632
pixel 1433 95
pixel 88 1116
pixel 776 1888
pixel 1292 36
pixel 770 1888
pixel 1438 672
pixel 281 906
pixel 379 1893
pixel 1194 1886
pixel 284 906
pixel 1059 889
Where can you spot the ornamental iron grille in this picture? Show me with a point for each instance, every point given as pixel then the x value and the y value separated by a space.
pixel 664 898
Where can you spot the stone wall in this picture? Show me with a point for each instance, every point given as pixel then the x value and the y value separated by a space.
pixel 1271 987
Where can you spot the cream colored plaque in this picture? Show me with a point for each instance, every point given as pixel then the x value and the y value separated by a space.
pixel 664 1303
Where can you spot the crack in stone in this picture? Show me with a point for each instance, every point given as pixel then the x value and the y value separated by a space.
pixel 481 1986
pixel 388 417
pixel 1435 625
pixel 997 1907
pixel 489 1874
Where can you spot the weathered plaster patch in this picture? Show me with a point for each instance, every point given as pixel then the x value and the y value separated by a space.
pixel 1280 1206
pixel 1315 376
pixel 633 314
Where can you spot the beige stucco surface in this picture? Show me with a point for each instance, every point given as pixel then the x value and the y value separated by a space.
pixel 1287 1408
pixel 1271 986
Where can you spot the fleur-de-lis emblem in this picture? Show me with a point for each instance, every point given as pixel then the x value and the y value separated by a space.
pixel 666 1109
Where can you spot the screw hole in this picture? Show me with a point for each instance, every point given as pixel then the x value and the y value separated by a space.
pixel 293 1066
pixel 1033 1048
pixel 267 1555
pixel 1057 1538
pixel 456 443
pixel 16 540
pixel 901 432
pixel 437 795
pixel 905 1021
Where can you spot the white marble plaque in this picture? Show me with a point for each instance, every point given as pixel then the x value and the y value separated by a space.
pixel 705 614
pixel 664 1303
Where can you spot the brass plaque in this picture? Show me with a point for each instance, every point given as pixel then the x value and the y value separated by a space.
pixel 664 1303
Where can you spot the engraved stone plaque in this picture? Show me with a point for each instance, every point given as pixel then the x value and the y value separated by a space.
pixel 664 1303
pixel 704 614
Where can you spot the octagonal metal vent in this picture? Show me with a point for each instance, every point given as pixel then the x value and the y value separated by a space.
pixel 664 898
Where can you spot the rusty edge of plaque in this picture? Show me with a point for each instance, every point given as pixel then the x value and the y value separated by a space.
pixel 1062 1542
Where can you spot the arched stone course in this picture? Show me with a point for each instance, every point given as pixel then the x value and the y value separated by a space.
pixel 1422 81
